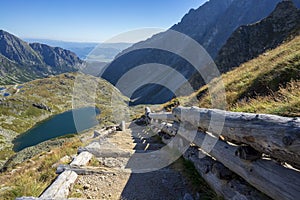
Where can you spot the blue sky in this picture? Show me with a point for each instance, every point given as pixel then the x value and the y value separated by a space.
pixel 89 20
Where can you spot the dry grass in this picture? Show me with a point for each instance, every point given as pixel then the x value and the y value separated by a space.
pixel 32 177
pixel 57 93
pixel 285 102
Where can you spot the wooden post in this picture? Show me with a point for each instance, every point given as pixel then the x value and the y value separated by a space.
pixel 122 126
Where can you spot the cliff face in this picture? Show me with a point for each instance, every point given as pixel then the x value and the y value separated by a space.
pixel 249 41
pixel 21 62
pixel 59 59
pixel 213 23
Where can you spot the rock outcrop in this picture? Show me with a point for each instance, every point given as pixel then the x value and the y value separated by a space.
pixel 249 41
pixel 41 106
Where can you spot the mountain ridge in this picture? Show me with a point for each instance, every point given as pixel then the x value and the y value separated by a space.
pixel 249 41
pixel 22 62
pixel 233 13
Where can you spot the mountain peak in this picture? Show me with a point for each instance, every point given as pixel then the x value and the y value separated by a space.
pixel 17 50
pixel 285 7
pixel 22 62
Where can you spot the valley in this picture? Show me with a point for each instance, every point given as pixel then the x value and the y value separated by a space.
pixel 55 104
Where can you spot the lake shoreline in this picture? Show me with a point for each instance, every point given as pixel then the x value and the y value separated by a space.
pixel 56 126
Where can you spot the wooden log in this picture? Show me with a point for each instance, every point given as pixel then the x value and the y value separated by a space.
pixel 60 188
pixel 122 126
pixel 104 132
pixel 276 136
pixel 170 129
pixel 89 170
pixel 162 116
pixel 267 176
pixel 221 179
pixel 108 131
pixel 248 153
pixel 166 127
pixel 82 159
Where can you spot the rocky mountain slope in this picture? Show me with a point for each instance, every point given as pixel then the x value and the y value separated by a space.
pixel 249 41
pixel 269 84
pixel 210 25
pixel 81 49
pixel 21 62
pixel 213 23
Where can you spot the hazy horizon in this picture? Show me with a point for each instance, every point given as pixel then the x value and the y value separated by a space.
pixel 89 21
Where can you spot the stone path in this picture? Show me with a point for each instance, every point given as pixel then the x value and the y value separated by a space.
pixel 116 157
pixel 130 164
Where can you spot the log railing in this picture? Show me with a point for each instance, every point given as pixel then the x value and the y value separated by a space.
pixel 258 148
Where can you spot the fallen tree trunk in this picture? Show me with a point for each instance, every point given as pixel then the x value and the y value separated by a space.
pixel 276 136
pixel 222 180
pixel 82 159
pixel 104 132
pixel 166 127
pixel 162 116
pixel 88 170
pixel 60 188
pixel 267 176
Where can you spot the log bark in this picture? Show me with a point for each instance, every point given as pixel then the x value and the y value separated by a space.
pixel 267 176
pixel 221 179
pixel 122 126
pixel 162 116
pixel 276 136
pixel 89 170
pixel 60 188
pixel 82 159
pixel 165 127
pixel 104 132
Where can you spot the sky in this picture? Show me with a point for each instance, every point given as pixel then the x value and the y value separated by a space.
pixel 89 20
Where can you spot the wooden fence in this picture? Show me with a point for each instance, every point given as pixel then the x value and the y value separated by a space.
pixel 248 156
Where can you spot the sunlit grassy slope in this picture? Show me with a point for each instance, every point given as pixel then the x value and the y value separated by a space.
pixel 30 172
pixel 17 113
pixel 32 177
pixel 269 83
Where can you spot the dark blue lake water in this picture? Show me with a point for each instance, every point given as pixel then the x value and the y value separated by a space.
pixel 59 125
